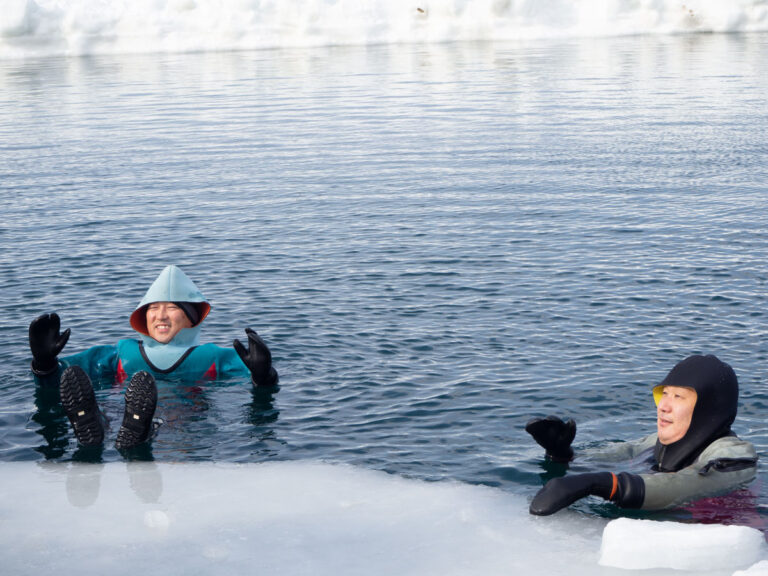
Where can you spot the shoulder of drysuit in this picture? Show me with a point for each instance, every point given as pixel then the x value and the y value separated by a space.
pixel 209 360
pixel 726 447
pixel 646 442
pixel 97 361
pixel 620 451
pixel 725 465
pixel 226 360
pixel 104 361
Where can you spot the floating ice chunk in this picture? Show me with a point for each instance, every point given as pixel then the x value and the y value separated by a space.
pixel 759 569
pixel 643 544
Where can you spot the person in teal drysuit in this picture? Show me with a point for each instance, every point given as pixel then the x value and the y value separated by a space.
pixel 168 320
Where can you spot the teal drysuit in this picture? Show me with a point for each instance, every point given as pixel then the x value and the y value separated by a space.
pixel 183 357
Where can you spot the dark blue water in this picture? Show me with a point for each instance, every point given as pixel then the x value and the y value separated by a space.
pixel 437 242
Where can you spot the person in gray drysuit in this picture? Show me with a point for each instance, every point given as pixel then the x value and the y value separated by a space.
pixel 695 453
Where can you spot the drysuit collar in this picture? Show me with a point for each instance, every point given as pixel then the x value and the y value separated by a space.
pixel 172 285
pixel 165 356
pixel 717 396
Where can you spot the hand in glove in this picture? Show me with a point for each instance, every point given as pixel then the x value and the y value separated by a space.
pixel 46 342
pixel 257 358
pixel 625 489
pixel 554 435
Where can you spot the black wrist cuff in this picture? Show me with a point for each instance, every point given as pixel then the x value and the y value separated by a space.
pixel 630 491
pixel 38 371
pixel 561 456
pixel 271 379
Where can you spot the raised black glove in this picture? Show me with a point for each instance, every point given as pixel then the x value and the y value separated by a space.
pixel 46 343
pixel 257 358
pixel 554 435
pixel 625 489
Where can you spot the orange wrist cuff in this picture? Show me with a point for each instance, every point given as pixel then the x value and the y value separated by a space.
pixel 615 486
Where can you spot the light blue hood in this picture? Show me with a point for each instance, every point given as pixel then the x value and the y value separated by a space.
pixel 172 285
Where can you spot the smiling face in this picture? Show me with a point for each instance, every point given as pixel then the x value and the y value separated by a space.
pixel 674 413
pixel 165 320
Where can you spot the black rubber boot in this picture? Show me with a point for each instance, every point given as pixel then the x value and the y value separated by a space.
pixel 140 404
pixel 79 403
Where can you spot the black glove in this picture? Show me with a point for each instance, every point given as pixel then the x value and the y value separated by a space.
pixel 257 358
pixel 554 435
pixel 46 343
pixel 625 489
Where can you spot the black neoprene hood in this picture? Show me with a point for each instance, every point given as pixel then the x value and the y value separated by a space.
pixel 717 398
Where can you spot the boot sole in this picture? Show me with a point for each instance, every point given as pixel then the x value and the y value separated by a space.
pixel 79 403
pixel 140 404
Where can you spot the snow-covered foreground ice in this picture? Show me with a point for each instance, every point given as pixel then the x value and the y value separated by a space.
pixel 298 518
